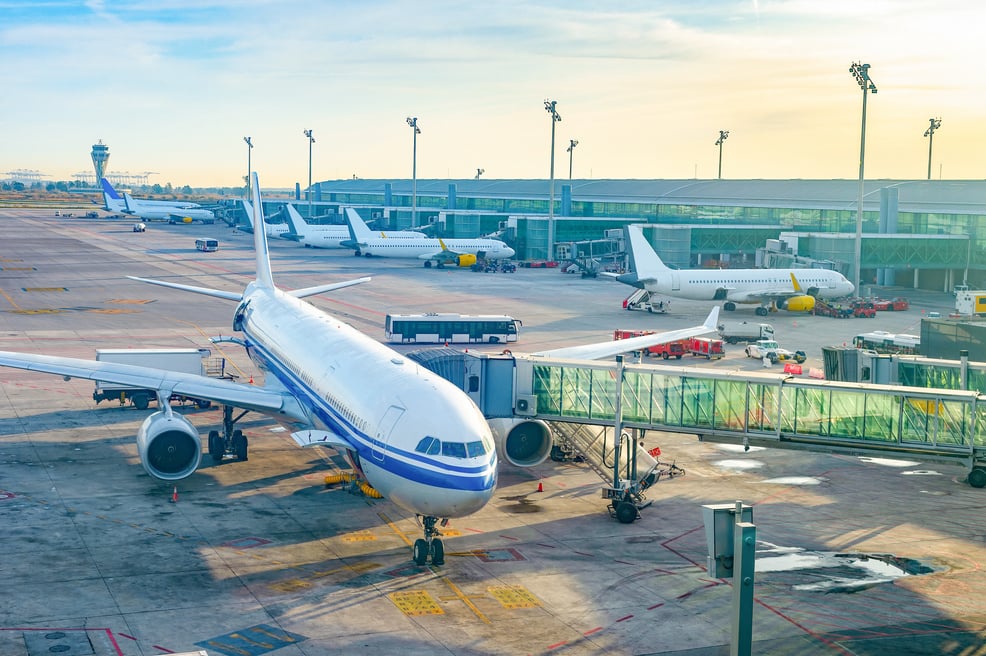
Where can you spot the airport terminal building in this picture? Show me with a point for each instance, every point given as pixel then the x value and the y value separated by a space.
pixel 928 234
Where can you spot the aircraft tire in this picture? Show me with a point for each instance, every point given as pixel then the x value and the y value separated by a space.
pixel 977 477
pixel 437 552
pixel 141 401
pixel 420 552
pixel 216 446
pixel 240 445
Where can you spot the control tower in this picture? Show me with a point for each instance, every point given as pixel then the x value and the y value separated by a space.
pixel 100 157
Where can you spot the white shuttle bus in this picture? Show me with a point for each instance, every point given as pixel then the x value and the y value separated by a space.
pixel 451 328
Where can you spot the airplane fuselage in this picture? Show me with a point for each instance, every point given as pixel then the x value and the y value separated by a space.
pixel 746 285
pixel 429 247
pixel 419 440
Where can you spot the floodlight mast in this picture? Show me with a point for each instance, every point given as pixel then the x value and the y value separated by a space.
pixel 861 72
pixel 723 135
pixel 551 107
pixel 930 133
pixel 311 140
pixel 571 147
pixel 413 122
pixel 249 144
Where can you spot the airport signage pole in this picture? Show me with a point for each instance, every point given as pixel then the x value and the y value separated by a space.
pixel 723 134
pixel 930 133
pixel 550 106
pixel 571 148
pixel 249 150
pixel 413 122
pixel 862 74
pixel 311 140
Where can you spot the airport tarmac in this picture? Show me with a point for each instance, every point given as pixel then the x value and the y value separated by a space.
pixel 855 555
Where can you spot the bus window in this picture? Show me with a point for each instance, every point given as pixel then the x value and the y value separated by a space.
pixel 207 245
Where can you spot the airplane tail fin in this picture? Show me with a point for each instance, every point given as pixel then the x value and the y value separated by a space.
pixel 358 230
pixel 297 226
pixel 108 189
pixel 644 260
pixel 264 276
pixel 129 203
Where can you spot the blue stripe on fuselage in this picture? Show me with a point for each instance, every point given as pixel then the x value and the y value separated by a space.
pixel 449 476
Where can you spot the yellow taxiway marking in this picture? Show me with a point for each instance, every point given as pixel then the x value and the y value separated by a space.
pixel 513 596
pixel 45 289
pixel 10 300
pixel 359 536
pixel 416 602
pixel 394 528
pixel 461 596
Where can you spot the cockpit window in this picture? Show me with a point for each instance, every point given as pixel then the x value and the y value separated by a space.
pixel 454 449
pixel 429 445
pixel 475 449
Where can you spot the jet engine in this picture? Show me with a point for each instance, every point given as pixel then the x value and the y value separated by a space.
pixel 521 442
pixel 466 260
pixel 800 304
pixel 169 446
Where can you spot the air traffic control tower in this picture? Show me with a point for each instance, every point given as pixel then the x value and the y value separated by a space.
pixel 100 157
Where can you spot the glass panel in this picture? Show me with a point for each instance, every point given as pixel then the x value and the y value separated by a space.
pixel 762 407
pixel 636 396
pixel 808 412
pixel 672 400
pixel 603 394
pixel 881 417
pixel 547 389
pixel 575 386
pixel 730 405
pixel 847 414
pixel 697 402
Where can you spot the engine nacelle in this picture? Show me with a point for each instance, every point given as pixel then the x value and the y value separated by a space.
pixel 170 448
pixel 521 442
pixel 466 260
pixel 799 304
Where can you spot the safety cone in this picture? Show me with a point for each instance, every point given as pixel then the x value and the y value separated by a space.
pixel 174 495
pixel 251 379
pixel 540 486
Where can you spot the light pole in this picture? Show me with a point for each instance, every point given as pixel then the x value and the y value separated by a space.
pixel 550 107
pixel 930 133
pixel 571 147
pixel 249 151
pixel 413 122
pixel 723 134
pixel 480 172
pixel 311 140
pixel 861 72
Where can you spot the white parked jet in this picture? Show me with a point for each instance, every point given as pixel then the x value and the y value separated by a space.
pixel 415 437
pixel 163 212
pixel 114 202
pixel 791 289
pixel 332 236
pixel 460 252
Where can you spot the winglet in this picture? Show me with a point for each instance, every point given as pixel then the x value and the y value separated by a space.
pixel 712 321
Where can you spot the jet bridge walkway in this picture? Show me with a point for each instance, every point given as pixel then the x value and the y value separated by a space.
pixel 748 408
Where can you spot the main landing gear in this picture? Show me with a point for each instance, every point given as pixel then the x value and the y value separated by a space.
pixel 231 442
pixel 431 544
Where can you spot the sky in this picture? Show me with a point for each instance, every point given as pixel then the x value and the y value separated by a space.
pixel 173 87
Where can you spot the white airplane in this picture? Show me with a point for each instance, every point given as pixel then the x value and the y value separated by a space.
pixel 273 229
pixel 460 252
pixel 791 289
pixel 173 214
pixel 332 236
pixel 114 202
pixel 413 436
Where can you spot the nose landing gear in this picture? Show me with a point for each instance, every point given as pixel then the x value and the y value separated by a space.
pixel 431 544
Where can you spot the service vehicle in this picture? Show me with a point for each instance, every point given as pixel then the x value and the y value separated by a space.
pixel 883 342
pixel 768 348
pixel 450 328
pixel 707 347
pixel 140 227
pixel 970 302
pixel 734 332
pixel 898 304
pixel 207 245
pixel 667 350
pixel 184 360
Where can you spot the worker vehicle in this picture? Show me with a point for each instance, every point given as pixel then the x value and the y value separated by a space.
pixel 184 360
pixel 667 350
pixel 734 332
pixel 768 348
pixel 707 347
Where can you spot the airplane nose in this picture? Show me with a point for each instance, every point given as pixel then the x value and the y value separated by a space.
pixel 508 252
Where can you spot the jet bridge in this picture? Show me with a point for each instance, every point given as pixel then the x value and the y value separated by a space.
pixel 748 408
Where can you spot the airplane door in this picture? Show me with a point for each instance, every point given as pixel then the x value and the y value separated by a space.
pixel 675 281
pixel 384 430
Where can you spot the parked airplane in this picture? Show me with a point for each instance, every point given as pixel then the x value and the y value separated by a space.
pixel 163 212
pixel 273 229
pixel 413 436
pixel 791 289
pixel 460 252
pixel 114 202
pixel 332 236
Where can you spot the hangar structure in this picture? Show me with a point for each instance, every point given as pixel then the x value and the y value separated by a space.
pixel 696 222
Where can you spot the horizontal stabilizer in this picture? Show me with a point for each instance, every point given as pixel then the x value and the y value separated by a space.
pixel 217 293
pixel 321 289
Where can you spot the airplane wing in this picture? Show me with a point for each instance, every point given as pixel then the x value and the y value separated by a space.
pixel 615 347
pixel 249 397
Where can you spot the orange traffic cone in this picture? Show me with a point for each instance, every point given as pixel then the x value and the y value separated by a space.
pixel 540 486
pixel 174 495
pixel 251 379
